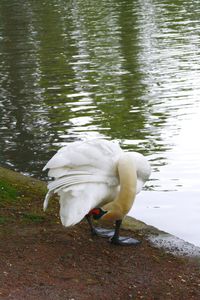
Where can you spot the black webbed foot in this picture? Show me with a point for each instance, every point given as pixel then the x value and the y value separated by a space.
pixel 103 232
pixel 122 240
pixel 112 234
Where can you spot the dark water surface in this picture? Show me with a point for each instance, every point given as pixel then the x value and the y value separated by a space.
pixel 125 70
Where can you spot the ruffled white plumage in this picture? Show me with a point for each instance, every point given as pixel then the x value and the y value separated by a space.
pixel 85 176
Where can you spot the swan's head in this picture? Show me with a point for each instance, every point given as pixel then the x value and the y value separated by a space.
pixel 97 213
pixel 106 214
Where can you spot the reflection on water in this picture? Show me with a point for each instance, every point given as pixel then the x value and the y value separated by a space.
pixel 126 70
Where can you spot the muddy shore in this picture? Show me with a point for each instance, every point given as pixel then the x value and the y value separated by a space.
pixel 39 259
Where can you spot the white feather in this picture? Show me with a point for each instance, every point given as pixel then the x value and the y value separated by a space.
pixel 46 200
pixel 85 176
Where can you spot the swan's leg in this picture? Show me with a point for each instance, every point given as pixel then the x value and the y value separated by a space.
pixel 97 230
pixel 92 228
pixel 122 240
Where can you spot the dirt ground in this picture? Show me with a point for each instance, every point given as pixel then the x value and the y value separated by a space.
pixel 39 259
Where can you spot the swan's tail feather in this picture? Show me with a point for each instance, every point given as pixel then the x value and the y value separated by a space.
pixel 68 181
pixel 46 200
pixel 64 171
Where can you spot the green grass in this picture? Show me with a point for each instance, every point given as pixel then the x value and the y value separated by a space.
pixel 21 199
pixel 3 220
pixel 7 192
pixel 35 218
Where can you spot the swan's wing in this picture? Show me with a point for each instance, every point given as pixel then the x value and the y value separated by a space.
pixel 83 163
pixel 70 183
pixel 85 156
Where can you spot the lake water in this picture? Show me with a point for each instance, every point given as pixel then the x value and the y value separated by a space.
pixel 124 70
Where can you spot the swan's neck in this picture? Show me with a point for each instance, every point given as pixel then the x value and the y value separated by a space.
pixel 125 198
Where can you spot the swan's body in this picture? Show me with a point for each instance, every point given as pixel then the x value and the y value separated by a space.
pixel 95 173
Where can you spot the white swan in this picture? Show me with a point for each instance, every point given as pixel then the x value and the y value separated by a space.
pixel 96 178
